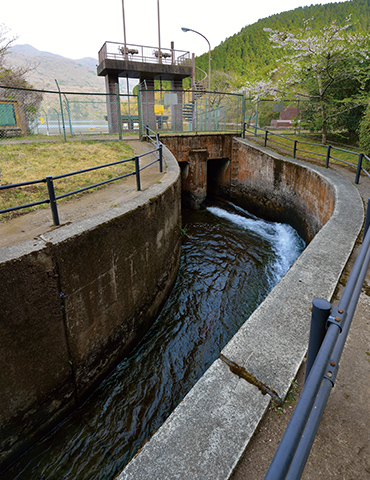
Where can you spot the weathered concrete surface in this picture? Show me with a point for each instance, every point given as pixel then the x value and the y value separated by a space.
pixel 76 299
pixel 207 433
pixel 279 190
pixel 193 152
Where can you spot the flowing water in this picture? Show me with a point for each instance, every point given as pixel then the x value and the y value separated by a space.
pixel 230 261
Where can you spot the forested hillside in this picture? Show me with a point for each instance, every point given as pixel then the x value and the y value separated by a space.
pixel 249 52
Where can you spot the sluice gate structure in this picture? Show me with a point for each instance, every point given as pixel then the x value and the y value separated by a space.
pixel 96 284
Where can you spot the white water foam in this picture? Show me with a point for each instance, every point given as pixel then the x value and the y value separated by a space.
pixel 283 239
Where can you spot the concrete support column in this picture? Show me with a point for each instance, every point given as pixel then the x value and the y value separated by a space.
pixel 194 182
pixel 147 104
pixel 111 80
pixel 176 114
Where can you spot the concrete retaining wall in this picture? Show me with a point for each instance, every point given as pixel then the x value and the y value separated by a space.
pixel 74 301
pixel 207 433
pixel 277 189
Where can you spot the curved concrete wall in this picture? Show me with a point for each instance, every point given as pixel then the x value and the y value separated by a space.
pixel 279 190
pixel 207 433
pixel 73 302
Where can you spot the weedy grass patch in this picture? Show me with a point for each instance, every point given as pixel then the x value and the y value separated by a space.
pixel 35 161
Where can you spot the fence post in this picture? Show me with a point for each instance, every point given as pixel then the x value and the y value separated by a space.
pixel 69 114
pixel 295 148
pixel 119 119
pixel 53 203
pixel 242 120
pixel 266 135
pixel 160 151
pixel 256 123
pixel 359 167
pixel 244 130
pixel 61 111
pixel 328 156
pixel 321 309
pixel 137 171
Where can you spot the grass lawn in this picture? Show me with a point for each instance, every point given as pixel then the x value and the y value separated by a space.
pixel 35 161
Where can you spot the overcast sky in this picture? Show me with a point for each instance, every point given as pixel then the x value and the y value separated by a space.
pixel 79 28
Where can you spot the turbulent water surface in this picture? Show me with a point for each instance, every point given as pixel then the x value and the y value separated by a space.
pixel 230 261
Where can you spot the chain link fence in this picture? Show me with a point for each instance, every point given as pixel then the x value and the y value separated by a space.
pixel 195 111
pixel 294 114
pixel 49 113
pixel 41 112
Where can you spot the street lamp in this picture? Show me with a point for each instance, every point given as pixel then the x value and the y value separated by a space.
pixel 209 53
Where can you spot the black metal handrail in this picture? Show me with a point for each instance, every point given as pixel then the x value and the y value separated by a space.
pixel 154 139
pixel 328 154
pixel 293 450
pixel 49 180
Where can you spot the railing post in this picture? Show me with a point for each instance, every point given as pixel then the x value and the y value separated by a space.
pixel 244 130
pixel 160 151
pixel 266 134
pixel 295 148
pixel 321 309
pixel 328 156
pixel 359 167
pixel 53 203
pixel 137 171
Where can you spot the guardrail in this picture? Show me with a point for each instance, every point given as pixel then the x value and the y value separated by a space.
pixel 143 54
pixel 328 334
pixel 154 139
pixel 49 180
pixel 269 136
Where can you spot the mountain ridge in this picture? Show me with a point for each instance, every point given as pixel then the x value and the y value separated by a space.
pixel 72 75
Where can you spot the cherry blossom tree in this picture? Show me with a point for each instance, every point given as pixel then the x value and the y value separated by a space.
pixel 315 64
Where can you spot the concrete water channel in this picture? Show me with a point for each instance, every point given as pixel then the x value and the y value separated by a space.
pixel 230 261
pixel 206 434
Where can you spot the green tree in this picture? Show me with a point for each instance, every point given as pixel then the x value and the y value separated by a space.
pixel 316 64
pixel 364 132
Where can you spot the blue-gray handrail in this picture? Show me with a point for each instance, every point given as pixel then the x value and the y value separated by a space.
pixel 49 180
pixel 328 154
pixel 153 137
pixel 293 450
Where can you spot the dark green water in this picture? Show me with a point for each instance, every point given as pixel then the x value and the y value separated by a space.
pixel 230 261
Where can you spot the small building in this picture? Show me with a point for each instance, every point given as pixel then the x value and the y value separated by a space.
pixel 286 116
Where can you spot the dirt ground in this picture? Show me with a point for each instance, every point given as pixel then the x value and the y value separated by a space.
pixel 341 450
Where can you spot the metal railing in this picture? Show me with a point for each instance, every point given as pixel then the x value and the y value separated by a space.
pixel 49 180
pixel 144 54
pixel 153 137
pixel 329 330
pixel 327 153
